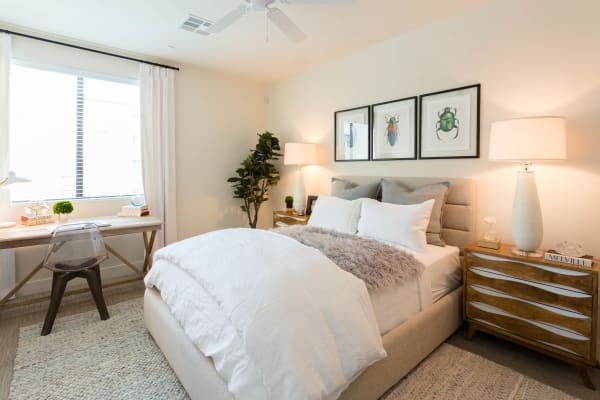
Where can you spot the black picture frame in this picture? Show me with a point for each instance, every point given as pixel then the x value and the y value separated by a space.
pixel 412 131
pixel 310 201
pixel 427 130
pixel 365 145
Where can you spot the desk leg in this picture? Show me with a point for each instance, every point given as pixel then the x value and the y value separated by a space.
pixel 148 244
pixel 21 283
pixel 124 260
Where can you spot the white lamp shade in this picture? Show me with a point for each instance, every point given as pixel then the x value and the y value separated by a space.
pixel 300 154
pixel 528 139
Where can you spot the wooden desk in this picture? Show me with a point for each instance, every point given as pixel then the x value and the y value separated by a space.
pixel 23 236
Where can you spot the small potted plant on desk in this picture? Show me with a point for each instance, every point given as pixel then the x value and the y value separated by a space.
pixel 62 209
pixel 289 204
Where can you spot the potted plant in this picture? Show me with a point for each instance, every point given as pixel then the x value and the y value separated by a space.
pixel 289 203
pixel 256 175
pixel 62 209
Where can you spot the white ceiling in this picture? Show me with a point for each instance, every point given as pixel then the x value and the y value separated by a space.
pixel 151 28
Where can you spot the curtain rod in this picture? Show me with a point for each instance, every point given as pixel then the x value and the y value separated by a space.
pixel 87 49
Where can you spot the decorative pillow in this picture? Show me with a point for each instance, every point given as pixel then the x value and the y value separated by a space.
pixel 400 224
pixel 397 193
pixel 335 213
pixel 348 190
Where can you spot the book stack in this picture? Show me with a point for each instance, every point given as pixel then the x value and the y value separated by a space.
pixel 37 219
pixel 583 261
pixel 134 211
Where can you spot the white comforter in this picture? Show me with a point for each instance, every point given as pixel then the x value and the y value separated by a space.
pixel 279 319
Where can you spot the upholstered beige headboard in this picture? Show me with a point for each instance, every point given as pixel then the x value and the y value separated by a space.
pixel 458 215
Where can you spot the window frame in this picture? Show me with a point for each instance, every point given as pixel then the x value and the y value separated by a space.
pixel 83 74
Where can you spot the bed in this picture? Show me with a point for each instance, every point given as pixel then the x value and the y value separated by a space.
pixel 431 310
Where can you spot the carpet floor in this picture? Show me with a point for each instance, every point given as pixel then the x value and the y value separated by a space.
pixel 85 358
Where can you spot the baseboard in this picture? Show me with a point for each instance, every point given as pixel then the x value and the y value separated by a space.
pixel 109 273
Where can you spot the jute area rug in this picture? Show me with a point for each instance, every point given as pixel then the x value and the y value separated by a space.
pixel 451 373
pixel 85 358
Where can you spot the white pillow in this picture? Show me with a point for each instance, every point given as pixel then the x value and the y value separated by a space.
pixel 335 213
pixel 405 225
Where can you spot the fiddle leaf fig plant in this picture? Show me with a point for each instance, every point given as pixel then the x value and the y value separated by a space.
pixel 256 175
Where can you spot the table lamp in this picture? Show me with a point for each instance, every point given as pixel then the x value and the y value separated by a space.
pixel 525 140
pixel 9 180
pixel 299 154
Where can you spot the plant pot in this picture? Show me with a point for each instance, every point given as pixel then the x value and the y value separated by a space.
pixel 63 218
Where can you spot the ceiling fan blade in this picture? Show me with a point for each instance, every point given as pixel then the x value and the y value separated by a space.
pixel 317 1
pixel 286 25
pixel 228 19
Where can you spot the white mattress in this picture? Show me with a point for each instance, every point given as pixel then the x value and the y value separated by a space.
pixel 395 304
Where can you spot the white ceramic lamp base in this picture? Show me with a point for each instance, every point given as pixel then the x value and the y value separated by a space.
pixel 527 226
pixel 299 192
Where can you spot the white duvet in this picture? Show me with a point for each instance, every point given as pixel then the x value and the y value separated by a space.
pixel 279 319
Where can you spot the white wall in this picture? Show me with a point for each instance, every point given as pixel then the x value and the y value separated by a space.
pixel 217 118
pixel 531 57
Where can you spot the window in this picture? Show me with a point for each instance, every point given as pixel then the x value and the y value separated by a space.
pixel 73 136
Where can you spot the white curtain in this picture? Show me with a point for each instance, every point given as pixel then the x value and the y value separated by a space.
pixel 157 91
pixel 7 257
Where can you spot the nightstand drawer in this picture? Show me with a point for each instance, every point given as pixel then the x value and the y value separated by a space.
pixel 531 271
pixel 529 310
pixel 532 291
pixel 541 332
pixel 291 220
pixel 282 218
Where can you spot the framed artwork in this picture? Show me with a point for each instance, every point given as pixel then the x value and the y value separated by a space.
pixel 310 204
pixel 394 133
pixel 351 130
pixel 449 123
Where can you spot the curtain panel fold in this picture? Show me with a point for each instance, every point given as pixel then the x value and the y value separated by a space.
pixel 7 257
pixel 157 102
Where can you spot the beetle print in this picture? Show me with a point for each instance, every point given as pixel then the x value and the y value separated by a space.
pixel 391 131
pixel 446 124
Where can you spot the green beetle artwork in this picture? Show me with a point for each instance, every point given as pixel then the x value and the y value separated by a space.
pixel 447 126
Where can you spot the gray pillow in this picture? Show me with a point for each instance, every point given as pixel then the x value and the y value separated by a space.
pixel 397 193
pixel 348 190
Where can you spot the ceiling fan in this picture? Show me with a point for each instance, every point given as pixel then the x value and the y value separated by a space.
pixel 275 15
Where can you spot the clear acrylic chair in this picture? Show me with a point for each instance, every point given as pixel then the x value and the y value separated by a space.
pixel 75 251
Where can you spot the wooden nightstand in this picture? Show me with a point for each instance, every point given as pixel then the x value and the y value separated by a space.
pixel 547 306
pixel 284 218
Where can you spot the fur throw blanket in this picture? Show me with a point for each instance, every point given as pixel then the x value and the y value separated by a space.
pixel 378 264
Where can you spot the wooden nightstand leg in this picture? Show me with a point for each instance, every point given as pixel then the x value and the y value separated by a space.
pixel 470 331
pixel 585 377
